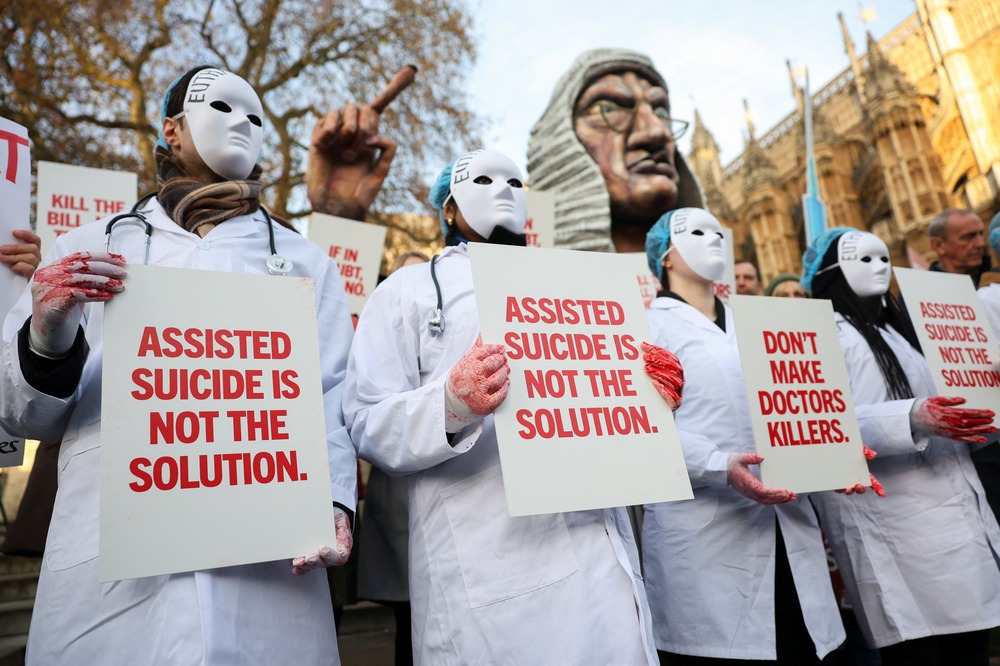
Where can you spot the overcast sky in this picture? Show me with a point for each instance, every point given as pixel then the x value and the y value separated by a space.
pixel 712 53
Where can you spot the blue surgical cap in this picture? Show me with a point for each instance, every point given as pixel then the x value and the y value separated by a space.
pixel 995 233
pixel 657 239
pixel 160 141
pixel 813 256
pixel 440 193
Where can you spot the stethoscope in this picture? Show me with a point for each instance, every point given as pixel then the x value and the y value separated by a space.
pixel 276 264
pixel 435 320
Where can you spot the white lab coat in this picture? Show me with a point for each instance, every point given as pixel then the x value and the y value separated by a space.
pixel 253 614
pixel 990 296
pixel 485 588
pixel 709 562
pixel 922 560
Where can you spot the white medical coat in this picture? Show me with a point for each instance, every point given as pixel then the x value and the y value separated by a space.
pixel 252 614
pixel 709 562
pixel 922 560
pixel 485 588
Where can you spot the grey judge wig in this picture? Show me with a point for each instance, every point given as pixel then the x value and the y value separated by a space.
pixel 558 162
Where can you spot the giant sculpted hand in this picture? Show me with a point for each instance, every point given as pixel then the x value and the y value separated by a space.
pixel 59 292
pixel 943 417
pixel 348 159
pixel 476 385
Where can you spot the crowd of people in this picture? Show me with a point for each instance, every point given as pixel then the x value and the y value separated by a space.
pixel 737 575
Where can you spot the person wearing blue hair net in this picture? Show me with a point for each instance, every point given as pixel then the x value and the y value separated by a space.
pixel 920 565
pixel 739 572
pixel 205 215
pixel 486 588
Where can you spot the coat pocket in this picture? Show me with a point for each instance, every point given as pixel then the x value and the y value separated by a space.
pixel 503 557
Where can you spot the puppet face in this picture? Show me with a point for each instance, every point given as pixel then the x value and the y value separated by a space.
pixel 225 119
pixel 864 261
pixel 697 236
pixel 489 190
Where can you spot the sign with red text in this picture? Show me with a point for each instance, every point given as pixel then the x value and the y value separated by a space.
pixel 649 284
pixel 357 248
pixel 214 449
pixel 726 286
pixel 955 334
pixel 799 394
pixel 582 426
pixel 69 196
pixel 15 210
pixel 540 230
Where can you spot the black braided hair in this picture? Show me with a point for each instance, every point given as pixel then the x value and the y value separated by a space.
pixel 868 315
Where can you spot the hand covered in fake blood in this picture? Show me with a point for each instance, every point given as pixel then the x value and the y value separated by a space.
pixel 875 485
pixel 59 292
pixel 476 385
pixel 24 257
pixel 326 556
pixel 942 416
pixel 666 372
pixel 747 484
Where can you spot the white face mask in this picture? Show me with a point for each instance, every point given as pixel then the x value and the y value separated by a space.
pixel 697 235
pixel 225 116
pixel 489 190
pixel 864 261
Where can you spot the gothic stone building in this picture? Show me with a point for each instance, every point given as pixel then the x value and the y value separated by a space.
pixel 910 128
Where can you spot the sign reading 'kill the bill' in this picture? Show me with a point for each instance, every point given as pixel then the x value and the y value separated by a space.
pixel 214 449
pixel 955 334
pixel 69 196
pixel 582 426
pixel 799 394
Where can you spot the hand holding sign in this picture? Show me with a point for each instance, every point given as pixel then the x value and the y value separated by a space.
pixel 744 482
pixel 24 257
pixel 326 556
pixel 941 416
pixel 875 485
pixel 59 292
pixel 348 159
pixel 476 385
pixel 666 372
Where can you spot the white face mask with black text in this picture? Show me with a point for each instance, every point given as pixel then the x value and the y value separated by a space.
pixel 225 118
pixel 864 260
pixel 489 190
pixel 697 235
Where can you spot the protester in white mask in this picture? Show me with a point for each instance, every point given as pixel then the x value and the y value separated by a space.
pixel 740 571
pixel 206 215
pixel 421 390
pixel 920 565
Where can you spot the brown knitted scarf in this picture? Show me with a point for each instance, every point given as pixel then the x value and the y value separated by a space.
pixel 191 203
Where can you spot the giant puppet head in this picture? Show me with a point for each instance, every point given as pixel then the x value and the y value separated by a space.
pixel 224 117
pixel 606 146
pixel 487 187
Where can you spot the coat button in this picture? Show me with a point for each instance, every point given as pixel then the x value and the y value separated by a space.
pixel 204 244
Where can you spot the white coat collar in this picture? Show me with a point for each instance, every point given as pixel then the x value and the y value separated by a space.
pixel 691 315
pixel 243 225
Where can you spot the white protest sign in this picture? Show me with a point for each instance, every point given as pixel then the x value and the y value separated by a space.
pixel 541 227
pixel 582 426
pixel 799 394
pixel 69 196
pixel 726 286
pixel 214 448
pixel 357 248
pixel 649 284
pixel 15 209
pixel 955 334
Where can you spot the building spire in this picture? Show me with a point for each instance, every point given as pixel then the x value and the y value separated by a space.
pixel 750 129
pixel 859 82
pixel 796 89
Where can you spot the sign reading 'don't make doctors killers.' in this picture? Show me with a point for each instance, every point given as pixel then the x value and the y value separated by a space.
pixel 955 335
pixel 582 426
pixel 214 449
pixel 799 394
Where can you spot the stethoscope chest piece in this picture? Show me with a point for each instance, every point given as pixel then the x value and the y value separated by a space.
pixel 278 265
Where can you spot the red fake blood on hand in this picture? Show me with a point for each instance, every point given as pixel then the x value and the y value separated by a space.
pixel 480 379
pixel 665 369
pixel 345 539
